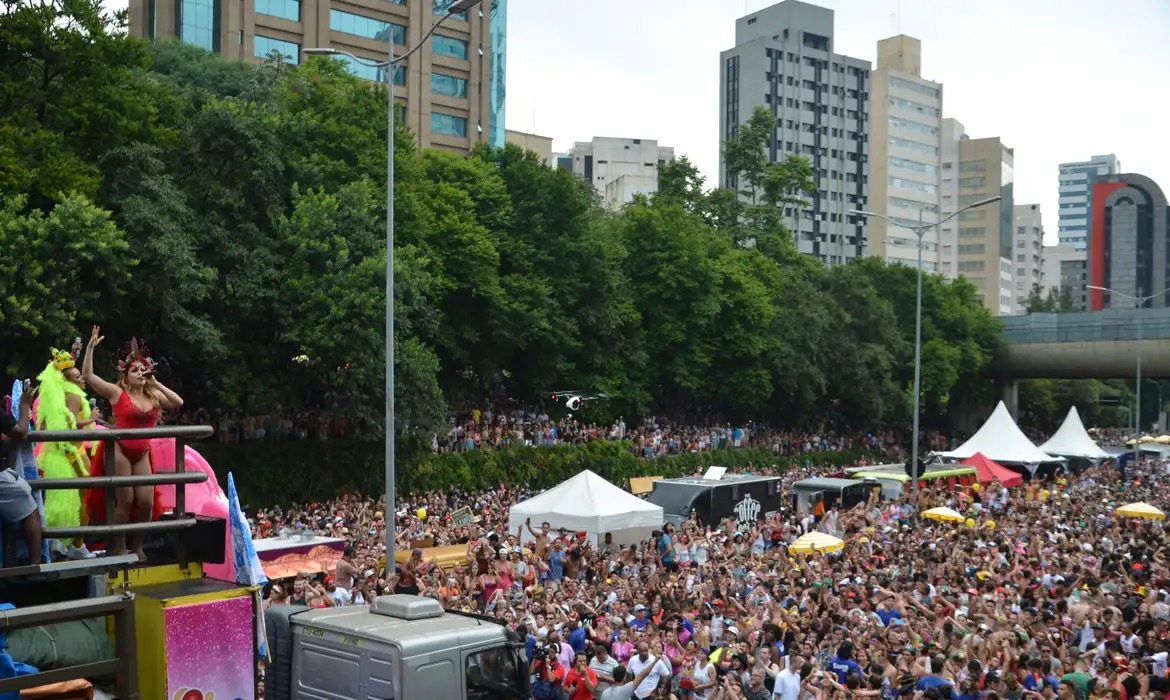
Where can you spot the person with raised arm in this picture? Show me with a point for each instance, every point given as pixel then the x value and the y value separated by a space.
pixel 137 400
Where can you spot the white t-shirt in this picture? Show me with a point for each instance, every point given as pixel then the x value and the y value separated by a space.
pixel 650 682
pixel 1159 668
pixel 787 686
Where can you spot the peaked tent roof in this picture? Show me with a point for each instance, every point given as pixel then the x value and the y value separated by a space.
pixel 1072 440
pixel 587 503
pixel 989 471
pixel 1001 440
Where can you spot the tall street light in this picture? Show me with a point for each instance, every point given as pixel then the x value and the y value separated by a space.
pixel 391 64
pixel 1138 303
pixel 920 230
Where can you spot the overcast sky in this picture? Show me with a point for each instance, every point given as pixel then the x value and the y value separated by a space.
pixel 1058 80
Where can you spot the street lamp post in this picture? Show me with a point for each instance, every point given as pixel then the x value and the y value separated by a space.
pixel 1138 302
pixel 390 65
pixel 920 230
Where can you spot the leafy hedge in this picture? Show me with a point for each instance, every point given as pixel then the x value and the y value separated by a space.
pixel 269 473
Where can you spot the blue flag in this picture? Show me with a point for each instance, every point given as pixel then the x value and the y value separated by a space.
pixel 249 571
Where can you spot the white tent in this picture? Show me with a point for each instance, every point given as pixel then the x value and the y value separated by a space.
pixel 589 503
pixel 1001 440
pixel 1072 440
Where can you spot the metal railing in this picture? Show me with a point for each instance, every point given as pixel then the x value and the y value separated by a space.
pixel 1087 326
pixel 124 665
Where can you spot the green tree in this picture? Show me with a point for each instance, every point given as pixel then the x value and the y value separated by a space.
pixel 74 86
pixel 58 270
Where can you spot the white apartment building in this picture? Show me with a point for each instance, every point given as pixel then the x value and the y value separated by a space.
pixel 620 168
pixel 1076 197
pixel 1027 252
pixel 905 140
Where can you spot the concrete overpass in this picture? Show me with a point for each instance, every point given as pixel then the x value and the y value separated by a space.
pixel 1083 345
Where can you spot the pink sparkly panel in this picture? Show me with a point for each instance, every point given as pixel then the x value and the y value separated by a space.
pixel 211 651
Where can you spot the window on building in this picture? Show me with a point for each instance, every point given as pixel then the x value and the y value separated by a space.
pixel 913 205
pixel 972 249
pixel 902 183
pixel 349 23
pixel 448 125
pixel 913 106
pixel 969 231
pixel 913 146
pixel 970 266
pixel 442 7
pixel 447 46
pixel 198 22
pixel 972 181
pixel 907 164
pixel 972 165
pixel 265 47
pixel 284 9
pixel 909 125
pixel 973 215
pixel 448 85
pixel 903 84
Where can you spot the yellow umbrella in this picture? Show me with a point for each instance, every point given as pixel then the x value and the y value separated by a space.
pixel 1130 442
pixel 1148 438
pixel 816 542
pixel 1141 510
pixel 943 515
pixel 1163 440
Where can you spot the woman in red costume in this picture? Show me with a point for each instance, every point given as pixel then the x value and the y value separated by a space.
pixel 137 399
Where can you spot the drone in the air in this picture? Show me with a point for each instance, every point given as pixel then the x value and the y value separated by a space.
pixel 575 399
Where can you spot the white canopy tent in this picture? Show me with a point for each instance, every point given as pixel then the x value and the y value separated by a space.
pixel 1072 440
pixel 1001 440
pixel 588 503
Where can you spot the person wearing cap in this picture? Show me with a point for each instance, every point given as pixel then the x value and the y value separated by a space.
pixel 640 619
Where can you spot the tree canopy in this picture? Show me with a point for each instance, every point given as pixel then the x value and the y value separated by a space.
pixel 234 216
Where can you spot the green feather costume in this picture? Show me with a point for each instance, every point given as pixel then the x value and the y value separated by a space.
pixel 60 460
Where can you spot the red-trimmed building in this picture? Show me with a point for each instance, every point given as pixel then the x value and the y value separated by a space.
pixel 1129 241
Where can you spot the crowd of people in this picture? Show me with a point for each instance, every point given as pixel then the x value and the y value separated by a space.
pixel 1042 592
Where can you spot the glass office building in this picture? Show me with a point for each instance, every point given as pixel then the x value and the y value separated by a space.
pixel 452 92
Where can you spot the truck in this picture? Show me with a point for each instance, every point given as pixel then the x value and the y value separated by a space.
pixel 845 493
pixel 746 497
pixel 401 646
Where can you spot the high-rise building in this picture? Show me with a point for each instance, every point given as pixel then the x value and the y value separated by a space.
pixel 451 93
pixel 978 242
pixel 1128 241
pixel 953 134
pixel 620 168
pixel 1076 197
pixel 1027 252
pixel 783 61
pixel 905 127
pixel 1064 268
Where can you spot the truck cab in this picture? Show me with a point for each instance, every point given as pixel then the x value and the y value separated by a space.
pixel 401 646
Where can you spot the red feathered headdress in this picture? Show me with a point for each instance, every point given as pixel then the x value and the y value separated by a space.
pixel 135 352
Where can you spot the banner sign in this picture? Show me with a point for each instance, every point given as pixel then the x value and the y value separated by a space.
pixel 205 665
